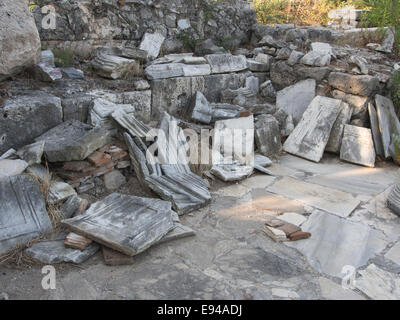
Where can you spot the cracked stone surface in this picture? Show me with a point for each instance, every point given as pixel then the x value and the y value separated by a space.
pixel 231 258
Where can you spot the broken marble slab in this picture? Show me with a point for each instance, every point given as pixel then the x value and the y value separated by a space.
pixel 54 251
pixel 60 191
pixel 129 122
pixel 260 164
pixel 10 154
pixel 394 254
pixel 178 232
pixel 194 70
pixel 337 242
pixel 32 153
pixel 268 135
pixel 124 223
pixel 316 59
pixel 378 284
pixel 23 214
pixel 309 138
pixel 199 109
pixel 388 122
pixel 75 241
pixel 334 201
pixel 393 201
pixel 376 134
pixel 164 71
pixel 226 63
pixel 224 111
pixel 126 52
pixel 102 109
pixel 232 172
pixel 174 58
pixel 294 100
pixel 9 168
pixel 73 140
pixel 357 146
pixel 335 139
pixel 45 72
pixel 293 218
pixel 114 67
pixel 70 206
pixel 151 43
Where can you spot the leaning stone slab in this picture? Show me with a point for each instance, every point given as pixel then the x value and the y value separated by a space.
pixel 388 122
pixel 224 63
pixel 358 146
pixel 124 223
pixel 46 73
pixel 60 191
pixel 267 135
pixel 178 232
pixel 54 251
pixel 376 134
pixel 338 242
pixel 393 201
pixel 32 153
pixel 328 199
pixel 199 109
pixel 73 140
pixel 102 109
pixel 23 212
pixel 309 138
pixel 359 85
pixel 295 99
pixel 128 121
pixel 29 116
pixel 151 43
pixel 335 139
pixel 9 168
pixel 378 284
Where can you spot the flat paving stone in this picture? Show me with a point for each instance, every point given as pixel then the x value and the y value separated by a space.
pixel 330 200
pixel 127 224
pixel 23 214
pixel 332 291
pixel 337 242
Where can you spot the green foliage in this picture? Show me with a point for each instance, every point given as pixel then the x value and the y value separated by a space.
pixel 188 41
pixel 63 57
pixel 395 91
pixel 384 13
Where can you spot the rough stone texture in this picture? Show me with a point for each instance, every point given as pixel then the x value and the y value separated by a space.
pixel 73 140
pixel 19 38
pixel 379 284
pixel 394 254
pixel 124 223
pixel 173 95
pixel 358 103
pixel 54 251
pixel 359 85
pixel 309 138
pixel 224 63
pixel 393 201
pixel 376 134
pixel 30 116
pixel 334 201
pixel 71 206
pixel 358 146
pixel 113 180
pixel 335 139
pixel 295 99
pixel 32 153
pixel 9 168
pixel 328 249
pixel 388 122
pixel 268 135
pixel 76 107
pixel 46 73
pixel 60 191
pixel 23 214
pixel 317 59
pixel 115 258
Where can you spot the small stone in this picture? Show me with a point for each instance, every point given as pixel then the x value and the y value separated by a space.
pixel 60 191
pixel 141 85
pixel 75 241
pixel 295 57
pixel 46 73
pixel 114 179
pixel 199 109
pixel 267 135
pixel 152 43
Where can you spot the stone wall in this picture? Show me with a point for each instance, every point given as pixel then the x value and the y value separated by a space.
pixel 100 21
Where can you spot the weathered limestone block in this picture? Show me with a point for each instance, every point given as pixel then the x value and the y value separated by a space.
pixel 19 38
pixel 268 135
pixel 44 72
pixel 388 122
pixel 151 43
pixel 124 223
pixel 358 103
pixel 73 140
pixel 295 99
pixel 359 85
pixel 29 116
pixel 173 95
pixel 335 139
pixel 101 111
pixel 114 67
pixel 23 214
pixel 32 153
pixel 317 59
pixel 225 63
pixel 358 146
pixel 309 138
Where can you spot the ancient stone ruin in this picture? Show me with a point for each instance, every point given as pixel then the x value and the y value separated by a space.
pixel 89 101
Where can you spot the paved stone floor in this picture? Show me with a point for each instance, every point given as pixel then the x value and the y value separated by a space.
pixel 231 257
